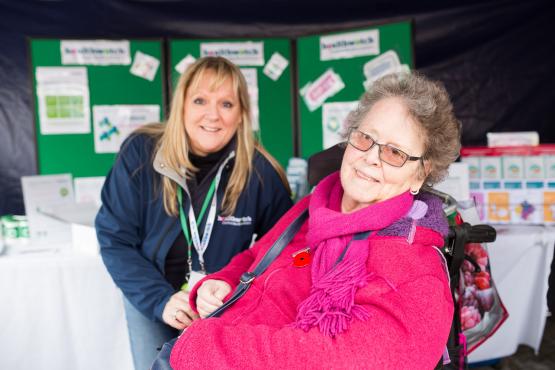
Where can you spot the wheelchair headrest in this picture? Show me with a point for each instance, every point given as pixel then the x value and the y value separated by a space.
pixel 324 163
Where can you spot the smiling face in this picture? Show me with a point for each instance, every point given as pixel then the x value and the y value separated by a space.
pixel 212 114
pixel 364 177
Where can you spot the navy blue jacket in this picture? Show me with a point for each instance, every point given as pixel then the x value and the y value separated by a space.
pixel 135 233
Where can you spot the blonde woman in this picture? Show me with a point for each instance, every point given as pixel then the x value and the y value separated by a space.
pixel 182 199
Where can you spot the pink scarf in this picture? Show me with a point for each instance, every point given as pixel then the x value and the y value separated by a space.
pixel 330 305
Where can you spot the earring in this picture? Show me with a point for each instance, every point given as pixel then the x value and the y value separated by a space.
pixel 414 192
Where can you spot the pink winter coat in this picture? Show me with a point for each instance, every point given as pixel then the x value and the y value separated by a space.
pixel 410 310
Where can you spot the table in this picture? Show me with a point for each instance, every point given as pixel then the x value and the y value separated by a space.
pixel 60 311
pixel 520 262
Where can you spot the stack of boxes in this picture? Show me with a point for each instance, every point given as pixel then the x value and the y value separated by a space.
pixel 513 185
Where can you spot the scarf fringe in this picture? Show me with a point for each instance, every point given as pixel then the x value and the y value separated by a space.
pixel 330 305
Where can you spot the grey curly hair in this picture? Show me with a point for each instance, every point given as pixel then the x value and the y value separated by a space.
pixel 428 103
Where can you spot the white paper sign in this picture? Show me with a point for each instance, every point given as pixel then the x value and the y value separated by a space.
pixel 252 86
pixel 241 53
pixel 41 194
pixel 275 66
pixel 95 52
pixel 456 184
pixel 87 189
pixel 513 138
pixel 145 66
pixel 349 45
pixel 403 68
pixel 327 85
pixel 381 65
pixel 184 63
pixel 113 123
pixel 333 121
pixel 63 99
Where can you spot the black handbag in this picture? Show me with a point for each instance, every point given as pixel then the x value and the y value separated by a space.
pixel 162 361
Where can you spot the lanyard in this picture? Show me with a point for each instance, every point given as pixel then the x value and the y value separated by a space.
pixel 200 245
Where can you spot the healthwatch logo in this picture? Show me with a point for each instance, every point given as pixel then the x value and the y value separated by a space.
pixel 95 52
pixel 235 221
pixel 241 53
pixel 350 45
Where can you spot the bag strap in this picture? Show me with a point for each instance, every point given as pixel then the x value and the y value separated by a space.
pixel 248 277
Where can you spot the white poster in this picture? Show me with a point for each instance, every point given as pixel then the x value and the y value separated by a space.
pixel 252 86
pixel 41 194
pixel 63 100
pixel 144 66
pixel 113 123
pixel 327 85
pixel 95 52
pixel 184 63
pixel 333 121
pixel 241 53
pixel 275 66
pixel 350 45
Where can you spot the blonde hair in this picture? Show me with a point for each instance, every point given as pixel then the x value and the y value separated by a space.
pixel 173 143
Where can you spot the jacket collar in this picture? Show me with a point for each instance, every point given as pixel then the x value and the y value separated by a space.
pixel 179 177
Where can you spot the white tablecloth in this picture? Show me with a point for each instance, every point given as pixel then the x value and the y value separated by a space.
pixel 520 262
pixel 60 311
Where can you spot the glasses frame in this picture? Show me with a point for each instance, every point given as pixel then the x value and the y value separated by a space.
pixel 409 157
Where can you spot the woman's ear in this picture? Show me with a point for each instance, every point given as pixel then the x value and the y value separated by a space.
pixel 424 170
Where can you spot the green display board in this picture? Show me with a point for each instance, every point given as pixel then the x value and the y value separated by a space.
pixel 323 60
pixel 65 131
pixel 275 97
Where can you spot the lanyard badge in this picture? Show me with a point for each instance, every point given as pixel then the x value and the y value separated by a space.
pixel 191 224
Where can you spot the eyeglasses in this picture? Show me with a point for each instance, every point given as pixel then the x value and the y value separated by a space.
pixel 387 153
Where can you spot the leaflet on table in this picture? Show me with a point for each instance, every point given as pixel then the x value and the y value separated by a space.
pixel 113 123
pixel 144 66
pixel 95 52
pixel 63 100
pixel 251 77
pixel 41 194
pixel 247 53
pixel 333 121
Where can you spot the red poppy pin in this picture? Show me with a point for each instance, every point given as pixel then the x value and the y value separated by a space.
pixel 302 258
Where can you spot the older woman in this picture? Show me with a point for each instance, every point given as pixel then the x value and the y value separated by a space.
pixel 378 302
pixel 182 199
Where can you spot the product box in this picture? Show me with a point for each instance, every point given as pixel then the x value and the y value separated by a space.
pixel 473 167
pixel 498 210
pixel 513 167
pixel 480 204
pixel 491 168
pixel 549 202
pixel 549 166
pixel 534 167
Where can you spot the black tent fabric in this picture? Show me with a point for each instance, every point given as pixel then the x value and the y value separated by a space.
pixel 495 57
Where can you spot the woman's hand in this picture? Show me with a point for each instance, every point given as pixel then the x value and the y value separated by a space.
pixel 210 296
pixel 177 312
